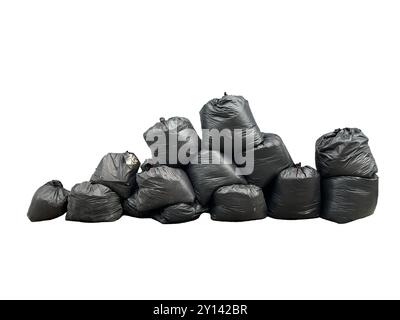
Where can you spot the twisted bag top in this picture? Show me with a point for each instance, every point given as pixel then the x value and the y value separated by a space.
pixel 230 112
pixel 345 152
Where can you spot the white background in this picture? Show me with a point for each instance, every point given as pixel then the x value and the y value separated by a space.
pixel 79 79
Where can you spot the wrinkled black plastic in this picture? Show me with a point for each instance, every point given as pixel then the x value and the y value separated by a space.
pixel 231 112
pixel 90 202
pixel 130 208
pixel 270 158
pixel 184 139
pixel 295 194
pixel 49 202
pixel 208 177
pixel 345 152
pixel 345 199
pixel 149 163
pixel 118 172
pixel 238 203
pixel 180 213
pixel 163 186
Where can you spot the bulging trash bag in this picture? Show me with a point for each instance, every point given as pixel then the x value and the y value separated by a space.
pixel 345 152
pixel 163 186
pixel 90 202
pixel 180 213
pixel 49 202
pixel 130 208
pixel 295 194
pixel 345 199
pixel 238 203
pixel 270 158
pixel 118 172
pixel 209 172
pixel 230 113
pixel 173 141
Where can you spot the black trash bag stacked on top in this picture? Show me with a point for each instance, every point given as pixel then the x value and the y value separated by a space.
pixel 162 186
pixel 230 113
pixel 295 194
pixel 90 202
pixel 270 158
pixel 173 142
pixel 118 172
pixel 349 181
pixel 236 203
pixel 210 171
pixel 49 202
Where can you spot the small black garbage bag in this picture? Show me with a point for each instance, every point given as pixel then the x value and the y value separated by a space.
pixel 238 203
pixel 49 202
pixel 180 213
pixel 270 158
pixel 345 152
pixel 209 172
pixel 173 142
pixel 230 113
pixel 162 186
pixel 295 194
pixel 90 202
pixel 149 163
pixel 118 172
pixel 345 199
pixel 130 208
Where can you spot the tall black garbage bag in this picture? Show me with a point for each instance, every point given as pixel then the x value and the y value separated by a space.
pixel 118 172
pixel 90 202
pixel 345 199
pixel 162 186
pixel 238 203
pixel 270 158
pixel 180 213
pixel 211 172
pixel 344 152
pixel 295 194
pixel 230 113
pixel 130 208
pixel 49 202
pixel 173 141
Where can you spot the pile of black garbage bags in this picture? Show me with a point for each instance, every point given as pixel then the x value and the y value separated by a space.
pixel 344 187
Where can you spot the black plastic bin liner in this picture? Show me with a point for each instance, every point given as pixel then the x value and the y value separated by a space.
pixel 162 186
pixel 118 172
pixel 90 202
pixel 230 112
pixel 270 158
pixel 344 152
pixel 49 202
pixel 238 203
pixel 130 208
pixel 295 194
pixel 209 176
pixel 345 199
pixel 180 213
pixel 180 137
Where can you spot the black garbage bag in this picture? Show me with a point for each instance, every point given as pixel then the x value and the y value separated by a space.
pixel 270 158
pixel 344 152
pixel 180 213
pixel 238 203
pixel 118 172
pixel 345 199
pixel 91 202
pixel 130 208
pixel 230 113
pixel 173 142
pixel 49 202
pixel 149 163
pixel 211 172
pixel 295 194
pixel 162 186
